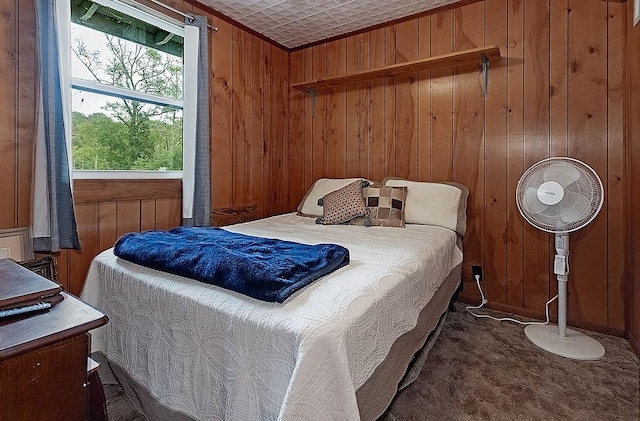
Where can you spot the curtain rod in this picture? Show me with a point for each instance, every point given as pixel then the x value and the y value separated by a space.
pixel 159 3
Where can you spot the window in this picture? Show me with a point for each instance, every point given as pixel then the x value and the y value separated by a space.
pixel 127 72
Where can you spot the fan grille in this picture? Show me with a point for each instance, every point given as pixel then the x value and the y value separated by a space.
pixel 582 200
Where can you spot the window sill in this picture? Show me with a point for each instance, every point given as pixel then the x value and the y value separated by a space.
pixel 126 175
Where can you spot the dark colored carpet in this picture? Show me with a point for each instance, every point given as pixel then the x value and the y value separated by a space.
pixel 487 370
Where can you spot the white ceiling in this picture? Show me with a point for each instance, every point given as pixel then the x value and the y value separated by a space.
pixel 293 23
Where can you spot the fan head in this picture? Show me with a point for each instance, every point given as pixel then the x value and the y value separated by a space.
pixel 559 195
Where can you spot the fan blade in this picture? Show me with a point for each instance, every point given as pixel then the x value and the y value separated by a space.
pixel 562 173
pixel 531 203
pixel 574 207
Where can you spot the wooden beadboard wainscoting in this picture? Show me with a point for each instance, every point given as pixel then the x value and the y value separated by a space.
pixel 558 90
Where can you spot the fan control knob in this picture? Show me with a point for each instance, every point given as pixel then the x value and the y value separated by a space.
pixel 550 193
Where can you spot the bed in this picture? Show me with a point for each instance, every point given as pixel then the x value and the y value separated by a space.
pixel 338 349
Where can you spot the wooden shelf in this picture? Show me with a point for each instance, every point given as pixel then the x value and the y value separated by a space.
pixel 466 58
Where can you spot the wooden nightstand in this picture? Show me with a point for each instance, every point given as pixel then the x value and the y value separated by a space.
pixel 43 363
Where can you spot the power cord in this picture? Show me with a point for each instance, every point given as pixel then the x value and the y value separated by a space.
pixel 504 319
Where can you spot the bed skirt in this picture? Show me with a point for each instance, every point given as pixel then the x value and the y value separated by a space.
pixel 401 367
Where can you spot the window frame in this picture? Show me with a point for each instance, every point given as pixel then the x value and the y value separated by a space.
pixel 152 17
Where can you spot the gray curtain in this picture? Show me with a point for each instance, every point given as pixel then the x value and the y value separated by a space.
pixel 52 172
pixel 202 181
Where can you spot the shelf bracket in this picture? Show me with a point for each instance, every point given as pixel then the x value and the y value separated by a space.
pixel 485 74
pixel 312 92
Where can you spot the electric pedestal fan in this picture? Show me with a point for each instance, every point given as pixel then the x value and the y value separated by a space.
pixel 561 195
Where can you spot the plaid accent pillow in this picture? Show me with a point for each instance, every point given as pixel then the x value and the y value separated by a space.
pixel 385 205
pixel 344 204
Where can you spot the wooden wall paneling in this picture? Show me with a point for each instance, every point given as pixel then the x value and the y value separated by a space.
pixel 247 112
pixel 515 150
pixel 632 131
pixel 364 110
pixel 588 142
pixel 127 216
pixel 336 60
pixel 87 216
pixel 107 224
pixel 168 213
pixel 285 82
pixel 62 260
pixel 424 102
pixel 495 150
pixel 406 102
pixel 296 155
pixel 352 115
pixel 257 125
pixel 468 137
pixel 377 116
pixel 9 32
pixel 615 184
pixel 291 169
pixel 558 100
pixel 536 144
pixel 318 115
pixel 221 122
pixel 309 109
pixel 269 108
pixel 25 133
pixel 558 73
pixel 238 97
pixel 148 214
pixel 441 99
pixel 277 128
pixel 390 121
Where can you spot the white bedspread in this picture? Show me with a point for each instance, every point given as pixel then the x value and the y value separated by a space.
pixel 214 354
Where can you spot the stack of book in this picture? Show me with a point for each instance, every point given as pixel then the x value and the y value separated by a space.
pixel 24 292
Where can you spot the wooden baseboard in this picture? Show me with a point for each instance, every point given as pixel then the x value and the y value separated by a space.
pixel 533 314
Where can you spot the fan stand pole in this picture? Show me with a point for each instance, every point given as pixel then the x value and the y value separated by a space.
pixel 558 339
pixel 561 269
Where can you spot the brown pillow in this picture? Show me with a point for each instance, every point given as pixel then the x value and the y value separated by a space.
pixel 386 206
pixel 343 205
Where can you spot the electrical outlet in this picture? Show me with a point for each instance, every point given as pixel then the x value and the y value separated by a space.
pixel 476 271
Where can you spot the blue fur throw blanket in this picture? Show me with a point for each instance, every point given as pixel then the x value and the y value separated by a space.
pixel 264 268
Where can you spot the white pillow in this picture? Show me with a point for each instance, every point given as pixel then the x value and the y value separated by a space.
pixel 433 204
pixel 309 205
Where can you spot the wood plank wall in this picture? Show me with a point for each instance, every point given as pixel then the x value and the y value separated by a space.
pixel 559 90
pixel 633 175
pixel 17 111
pixel 249 125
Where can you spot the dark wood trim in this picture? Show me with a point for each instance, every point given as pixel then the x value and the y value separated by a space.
pixel 533 314
pixel 95 191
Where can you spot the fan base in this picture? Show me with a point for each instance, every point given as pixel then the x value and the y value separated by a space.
pixel 574 345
